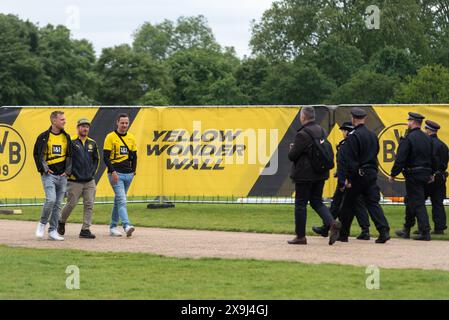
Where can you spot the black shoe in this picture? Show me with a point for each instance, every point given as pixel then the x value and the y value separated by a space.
pixel 297 240
pixel 343 239
pixel 86 234
pixel 322 231
pixel 425 236
pixel 61 228
pixel 383 237
pixel 334 232
pixel 364 236
pixel 438 232
pixel 404 233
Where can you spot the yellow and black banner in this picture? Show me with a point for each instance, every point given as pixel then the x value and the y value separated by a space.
pixel 197 151
pixel 200 151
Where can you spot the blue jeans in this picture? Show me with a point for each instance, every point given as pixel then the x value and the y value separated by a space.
pixel 120 190
pixel 55 188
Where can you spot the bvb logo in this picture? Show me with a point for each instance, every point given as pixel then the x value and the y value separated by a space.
pixel 389 140
pixel 12 153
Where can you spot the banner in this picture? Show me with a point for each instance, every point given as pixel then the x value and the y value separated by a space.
pixel 192 151
pixel 202 151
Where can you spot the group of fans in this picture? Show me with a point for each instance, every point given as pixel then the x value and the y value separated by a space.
pixel 69 167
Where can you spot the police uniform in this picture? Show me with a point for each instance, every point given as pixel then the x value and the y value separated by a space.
pixel 339 195
pixel 414 159
pixel 359 167
pixel 437 189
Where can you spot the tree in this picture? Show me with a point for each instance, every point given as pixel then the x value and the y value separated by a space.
pixel 337 60
pixel 394 62
pixel 22 77
pixel 430 85
pixel 127 75
pixel 154 97
pixel 294 83
pixel 69 63
pixel 250 75
pixel 204 77
pixel 365 87
pixel 164 39
pixel 78 99
pixel 290 27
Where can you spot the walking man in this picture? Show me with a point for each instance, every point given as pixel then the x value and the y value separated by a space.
pixel 359 177
pixel 437 189
pixel 53 158
pixel 414 159
pixel 85 160
pixel 339 194
pixel 309 183
pixel 120 156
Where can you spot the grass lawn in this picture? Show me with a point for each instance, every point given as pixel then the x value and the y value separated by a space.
pixel 144 276
pixel 240 217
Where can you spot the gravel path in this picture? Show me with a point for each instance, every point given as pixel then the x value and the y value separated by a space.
pixel 235 245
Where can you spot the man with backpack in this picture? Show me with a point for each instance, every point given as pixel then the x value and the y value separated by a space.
pixel 359 177
pixel 312 158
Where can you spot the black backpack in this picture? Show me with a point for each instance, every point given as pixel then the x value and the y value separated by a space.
pixel 321 153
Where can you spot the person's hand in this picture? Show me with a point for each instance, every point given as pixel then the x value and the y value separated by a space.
pixel 432 179
pixel 348 185
pixel 291 145
pixel 114 177
pixel 391 179
pixel 64 175
pixel 50 171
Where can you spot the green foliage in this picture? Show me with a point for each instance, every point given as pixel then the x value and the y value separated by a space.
pixel 295 83
pixel 164 39
pixel 154 97
pixel 22 76
pixel 429 86
pixel 204 77
pixel 127 75
pixel 365 87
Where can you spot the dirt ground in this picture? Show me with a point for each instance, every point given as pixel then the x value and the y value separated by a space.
pixel 235 245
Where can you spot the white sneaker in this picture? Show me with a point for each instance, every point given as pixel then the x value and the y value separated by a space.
pixel 54 235
pixel 114 232
pixel 40 231
pixel 129 231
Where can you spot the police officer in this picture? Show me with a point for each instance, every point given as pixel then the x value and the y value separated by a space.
pixel 437 189
pixel 358 177
pixel 414 159
pixel 339 194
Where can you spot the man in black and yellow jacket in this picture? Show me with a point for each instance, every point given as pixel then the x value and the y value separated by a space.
pixel 53 158
pixel 82 180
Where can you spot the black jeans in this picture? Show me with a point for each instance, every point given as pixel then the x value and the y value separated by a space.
pixel 437 193
pixel 313 192
pixel 367 188
pixel 360 211
pixel 415 188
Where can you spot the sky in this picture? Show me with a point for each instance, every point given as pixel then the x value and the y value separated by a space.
pixel 107 23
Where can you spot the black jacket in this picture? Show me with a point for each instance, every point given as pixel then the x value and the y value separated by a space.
pixel 358 152
pixel 40 149
pixel 441 153
pixel 302 170
pixel 415 153
pixel 85 159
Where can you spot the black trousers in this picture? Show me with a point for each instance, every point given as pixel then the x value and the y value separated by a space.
pixel 360 211
pixel 310 192
pixel 367 188
pixel 437 193
pixel 416 186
